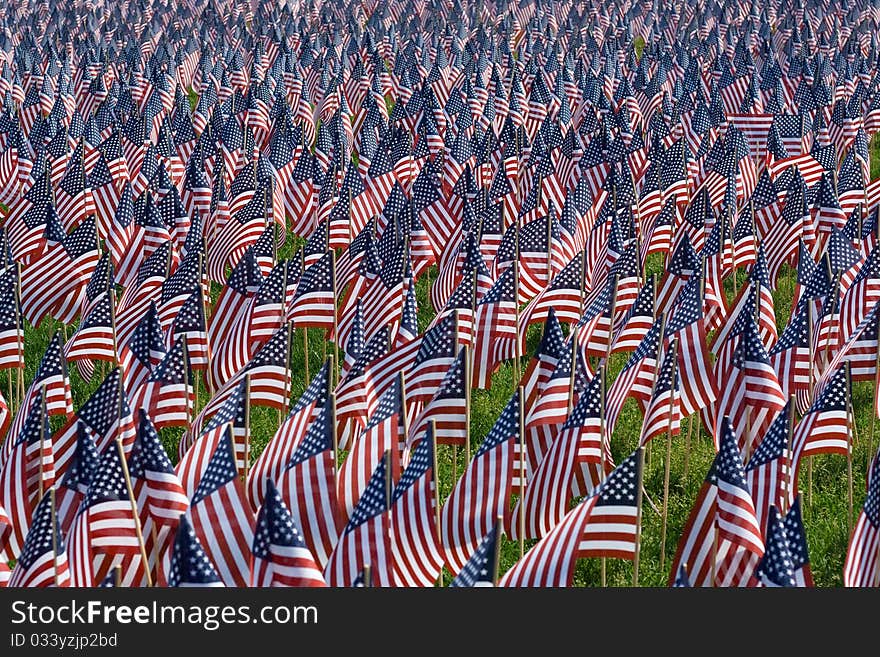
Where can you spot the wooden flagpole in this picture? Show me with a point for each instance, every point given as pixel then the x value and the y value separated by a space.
pixel 851 424
pixel 305 334
pixel 19 341
pixel 667 464
pixel 609 345
pixel 790 466
pixel 331 402
pixel 638 517
pixel 467 405
pixel 436 483
pixel 496 557
pixel 714 546
pixel 367 577
pixel 134 511
pixel 209 382
pixel 522 475
pixel 288 374
pixel 43 419
pixel 54 536
pixel 517 351
pixel 186 372
pixel 247 426
pixel 335 365
pixel 603 372
pixel 874 409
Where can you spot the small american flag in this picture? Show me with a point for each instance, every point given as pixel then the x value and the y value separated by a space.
pixel 190 565
pixel 365 540
pixel 308 484
pixel 488 479
pixel 862 566
pixel 43 560
pixel 482 568
pixel 280 555
pixel 415 542
pixel 221 516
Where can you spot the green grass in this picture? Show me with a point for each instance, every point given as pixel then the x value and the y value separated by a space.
pixel 639 45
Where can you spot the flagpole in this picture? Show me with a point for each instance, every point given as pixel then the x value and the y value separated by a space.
pixel 467 407
pixel 54 536
pixel 19 340
pixel 790 468
pixel 517 351
pixel 638 517
pixel 851 425
pixel 43 419
pixel 603 373
pixel 496 557
pixel 608 345
pixel 335 364
pixel 134 511
pixel 874 406
pixel 288 373
pixel 811 347
pixel 666 465
pixel 714 543
pixel 186 372
pixel 331 404
pixel 367 579
pixel 404 419
pixel 305 334
pixel 247 426
pixel 436 484
pixel 522 475
pixel 209 383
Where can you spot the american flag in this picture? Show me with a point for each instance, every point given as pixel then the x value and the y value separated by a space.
pixel 159 495
pixel 11 325
pixel 697 381
pixel 142 352
pixel 414 510
pixel 383 434
pixel 105 531
pixel 768 469
pixel 797 544
pixel 73 485
pixel 252 325
pixel 482 492
pixel 448 409
pixel 776 568
pixel 482 568
pixel 167 393
pixel 28 471
pixel 607 523
pixel 365 540
pixel 190 565
pixel 43 559
pixel 95 338
pixel 663 413
pixel 106 415
pixel 543 362
pixel 824 428
pixel 189 323
pixel 221 515
pixel 280 555
pixel 862 567
pixel 721 542
pixel 52 382
pixel 308 484
pixel 314 303
pixel 495 319
pixel 277 453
